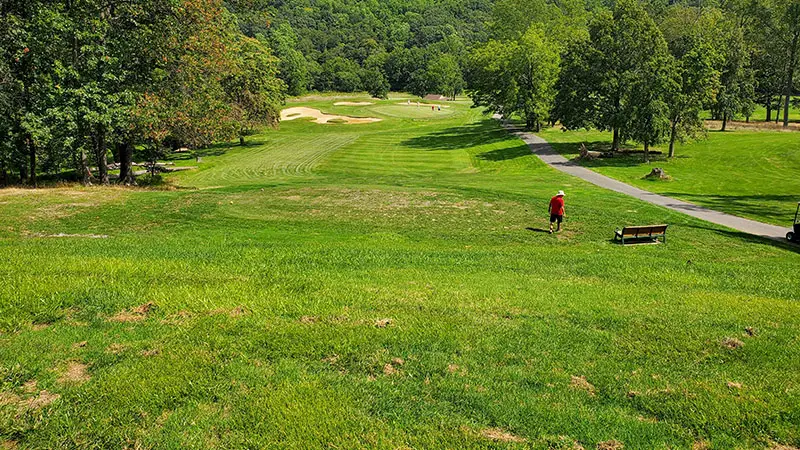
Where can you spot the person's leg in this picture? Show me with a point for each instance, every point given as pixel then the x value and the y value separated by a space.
pixel 552 220
pixel 559 220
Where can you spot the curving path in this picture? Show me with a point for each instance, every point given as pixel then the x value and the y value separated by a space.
pixel 543 150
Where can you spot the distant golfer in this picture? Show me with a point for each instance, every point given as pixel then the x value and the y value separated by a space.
pixel 556 211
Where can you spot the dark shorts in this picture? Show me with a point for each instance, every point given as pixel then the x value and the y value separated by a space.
pixel 556 218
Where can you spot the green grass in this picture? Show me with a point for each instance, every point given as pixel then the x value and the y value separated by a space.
pixel 752 174
pixel 272 270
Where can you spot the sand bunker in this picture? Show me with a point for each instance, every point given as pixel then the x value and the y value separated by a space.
pixel 322 118
pixel 353 104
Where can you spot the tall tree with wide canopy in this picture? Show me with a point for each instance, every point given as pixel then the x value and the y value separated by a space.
pixel 517 76
pixel 605 81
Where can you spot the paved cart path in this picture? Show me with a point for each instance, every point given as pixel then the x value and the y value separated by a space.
pixel 543 150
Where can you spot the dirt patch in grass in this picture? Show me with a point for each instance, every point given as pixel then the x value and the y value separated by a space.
pixel 582 384
pixel 8 445
pixel 732 343
pixel 500 435
pixel 116 349
pixel 308 320
pixel 75 373
pixel 700 445
pixel 389 369
pixel 136 314
pixel 151 352
pixel 610 445
pixel 383 323
pixel 40 401
pixel 81 344
pixel 733 385
pixel 783 447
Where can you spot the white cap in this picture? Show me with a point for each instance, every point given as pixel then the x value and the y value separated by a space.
pixel 561 193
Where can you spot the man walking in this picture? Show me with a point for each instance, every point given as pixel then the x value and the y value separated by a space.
pixel 556 211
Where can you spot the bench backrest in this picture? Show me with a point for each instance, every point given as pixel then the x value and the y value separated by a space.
pixel 647 230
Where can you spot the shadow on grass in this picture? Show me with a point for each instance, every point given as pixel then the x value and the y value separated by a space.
pixel 571 150
pixel 744 205
pixel 750 238
pixel 538 230
pixel 504 154
pixel 455 138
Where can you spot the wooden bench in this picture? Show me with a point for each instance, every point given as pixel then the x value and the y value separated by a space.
pixel 640 234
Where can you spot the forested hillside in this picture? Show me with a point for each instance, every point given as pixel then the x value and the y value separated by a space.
pixel 336 45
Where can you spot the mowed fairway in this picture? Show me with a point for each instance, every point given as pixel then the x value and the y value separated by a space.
pixel 386 285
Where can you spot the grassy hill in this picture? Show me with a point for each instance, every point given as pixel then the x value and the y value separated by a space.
pixel 386 285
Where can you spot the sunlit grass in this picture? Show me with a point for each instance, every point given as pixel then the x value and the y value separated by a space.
pixel 385 286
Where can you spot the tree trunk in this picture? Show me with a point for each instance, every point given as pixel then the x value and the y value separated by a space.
pixel 790 78
pixel 646 152
pixel 241 141
pixel 126 164
pixel 672 135
pixel 99 139
pixel 615 142
pixel 778 110
pixel 23 173
pixel 769 110
pixel 32 155
pixel 86 175
pixel 724 120
pixel 3 176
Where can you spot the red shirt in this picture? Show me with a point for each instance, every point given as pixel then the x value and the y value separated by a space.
pixel 557 206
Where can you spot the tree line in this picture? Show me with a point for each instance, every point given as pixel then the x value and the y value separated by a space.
pixel 644 70
pixel 82 80
pixel 86 81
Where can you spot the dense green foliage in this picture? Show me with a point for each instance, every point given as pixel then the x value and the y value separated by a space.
pixel 272 271
pixel 91 76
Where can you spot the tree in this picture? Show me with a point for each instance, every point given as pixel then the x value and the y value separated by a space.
pixel 603 77
pixel 736 89
pixel 444 76
pixel 253 87
pixel 517 76
pixel 695 77
pixel 789 32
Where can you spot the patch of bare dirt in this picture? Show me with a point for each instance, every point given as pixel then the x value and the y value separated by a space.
pixel 136 314
pixel 582 384
pixel 383 323
pixel 750 331
pixel 398 361
pixel 783 447
pixel 8 445
pixel 309 319
pixel 455 368
pixel 500 435
pixel 733 385
pixel 610 445
pixel 151 352
pixel 732 343
pixel 30 387
pixel 81 344
pixel 8 398
pixel 40 401
pixel 389 369
pixel 116 348
pixel 75 373
pixel 700 445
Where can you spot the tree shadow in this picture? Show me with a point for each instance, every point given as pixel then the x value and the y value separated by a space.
pixel 782 244
pixel 743 205
pixel 629 158
pixel 503 154
pixel 456 138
